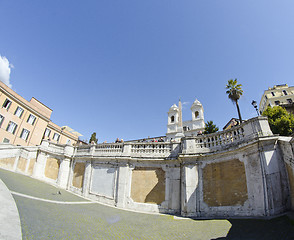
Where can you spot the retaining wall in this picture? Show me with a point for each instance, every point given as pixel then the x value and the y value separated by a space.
pixel 244 171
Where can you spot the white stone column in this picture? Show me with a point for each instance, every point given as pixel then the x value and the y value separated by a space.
pixel 189 188
pixel 15 163
pixel 123 177
pixel 87 177
pixel 126 150
pixel 174 188
pixel 63 175
pixel 189 145
pixel 40 165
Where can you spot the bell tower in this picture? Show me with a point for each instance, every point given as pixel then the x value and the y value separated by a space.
pixel 197 115
pixel 173 121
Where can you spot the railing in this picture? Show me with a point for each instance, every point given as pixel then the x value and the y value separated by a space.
pixel 132 149
pixel 247 131
pixel 147 149
pixel 217 140
pixel 109 148
pixel 84 149
pixel 55 148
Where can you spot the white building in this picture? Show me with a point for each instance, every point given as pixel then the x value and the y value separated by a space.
pixel 176 125
pixel 279 95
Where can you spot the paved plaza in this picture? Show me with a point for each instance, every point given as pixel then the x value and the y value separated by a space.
pixel 46 214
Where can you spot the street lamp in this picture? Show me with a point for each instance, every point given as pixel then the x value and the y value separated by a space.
pixel 254 104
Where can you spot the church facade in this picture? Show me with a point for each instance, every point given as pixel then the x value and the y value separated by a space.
pixel 176 124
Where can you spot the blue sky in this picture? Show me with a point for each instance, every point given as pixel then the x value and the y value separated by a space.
pixel 116 67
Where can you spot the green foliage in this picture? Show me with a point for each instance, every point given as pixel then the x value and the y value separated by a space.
pixel 280 121
pixel 234 90
pixel 210 127
pixel 93 138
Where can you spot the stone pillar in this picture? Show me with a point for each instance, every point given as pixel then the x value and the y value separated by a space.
pixel 15 164
pixel 40 165
pixel 189 145
pixel 189 189
pixel 257 127
pixel 175 150
pixel 174 203
pixel 127 150
pixel 63 175
pixel 123 177
pixel 87 177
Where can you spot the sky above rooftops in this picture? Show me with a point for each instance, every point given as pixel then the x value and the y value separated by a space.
pixel 116 67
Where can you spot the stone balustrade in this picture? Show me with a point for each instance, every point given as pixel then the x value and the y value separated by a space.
pixel 248 130
pixel 154 149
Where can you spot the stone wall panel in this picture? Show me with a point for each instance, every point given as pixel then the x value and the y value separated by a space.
pixel 52 168
pixel 31 166
pixel 21 165
pixel 224 183
pixel 78 175
pixel 7 163
pixel 148 185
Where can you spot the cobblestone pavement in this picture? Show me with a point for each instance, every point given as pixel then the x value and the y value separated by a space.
pixel 46 220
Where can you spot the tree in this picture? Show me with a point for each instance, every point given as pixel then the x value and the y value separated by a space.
pixel 93 138
pixel 210 127
pixel 234 93
pixel 280 121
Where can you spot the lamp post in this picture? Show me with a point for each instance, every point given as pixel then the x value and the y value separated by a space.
pixel 254 104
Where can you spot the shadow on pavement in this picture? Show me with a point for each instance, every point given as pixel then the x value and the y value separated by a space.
pixel 276 228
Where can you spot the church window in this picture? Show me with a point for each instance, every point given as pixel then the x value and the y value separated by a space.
pixel 273 94
pixel 196 114
pixel 285 92
pixel 172 119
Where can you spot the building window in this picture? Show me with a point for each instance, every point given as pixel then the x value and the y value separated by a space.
pixel 11 127
pixel 186 128
pixel 24 134
pixel 31 119
pixel 47 132
pixel 56 137
pixel 6 104
pixel 265 97
pixel 1 120
pixel 68 141
pixel 273 94
pixel 289 100
pixel 285 92
pixel 6 140
pixel 18 112
pixel 277 102
pixel 172 119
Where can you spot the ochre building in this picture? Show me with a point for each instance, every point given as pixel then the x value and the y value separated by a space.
pixel 27 123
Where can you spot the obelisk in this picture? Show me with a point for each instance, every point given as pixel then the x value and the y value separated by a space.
pixel 180 132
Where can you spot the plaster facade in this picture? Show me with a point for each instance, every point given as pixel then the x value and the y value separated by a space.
pixel 27 123
pixel 245 171
pixel 279 95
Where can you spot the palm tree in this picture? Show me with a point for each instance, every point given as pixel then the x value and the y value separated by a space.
pixel 234 93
